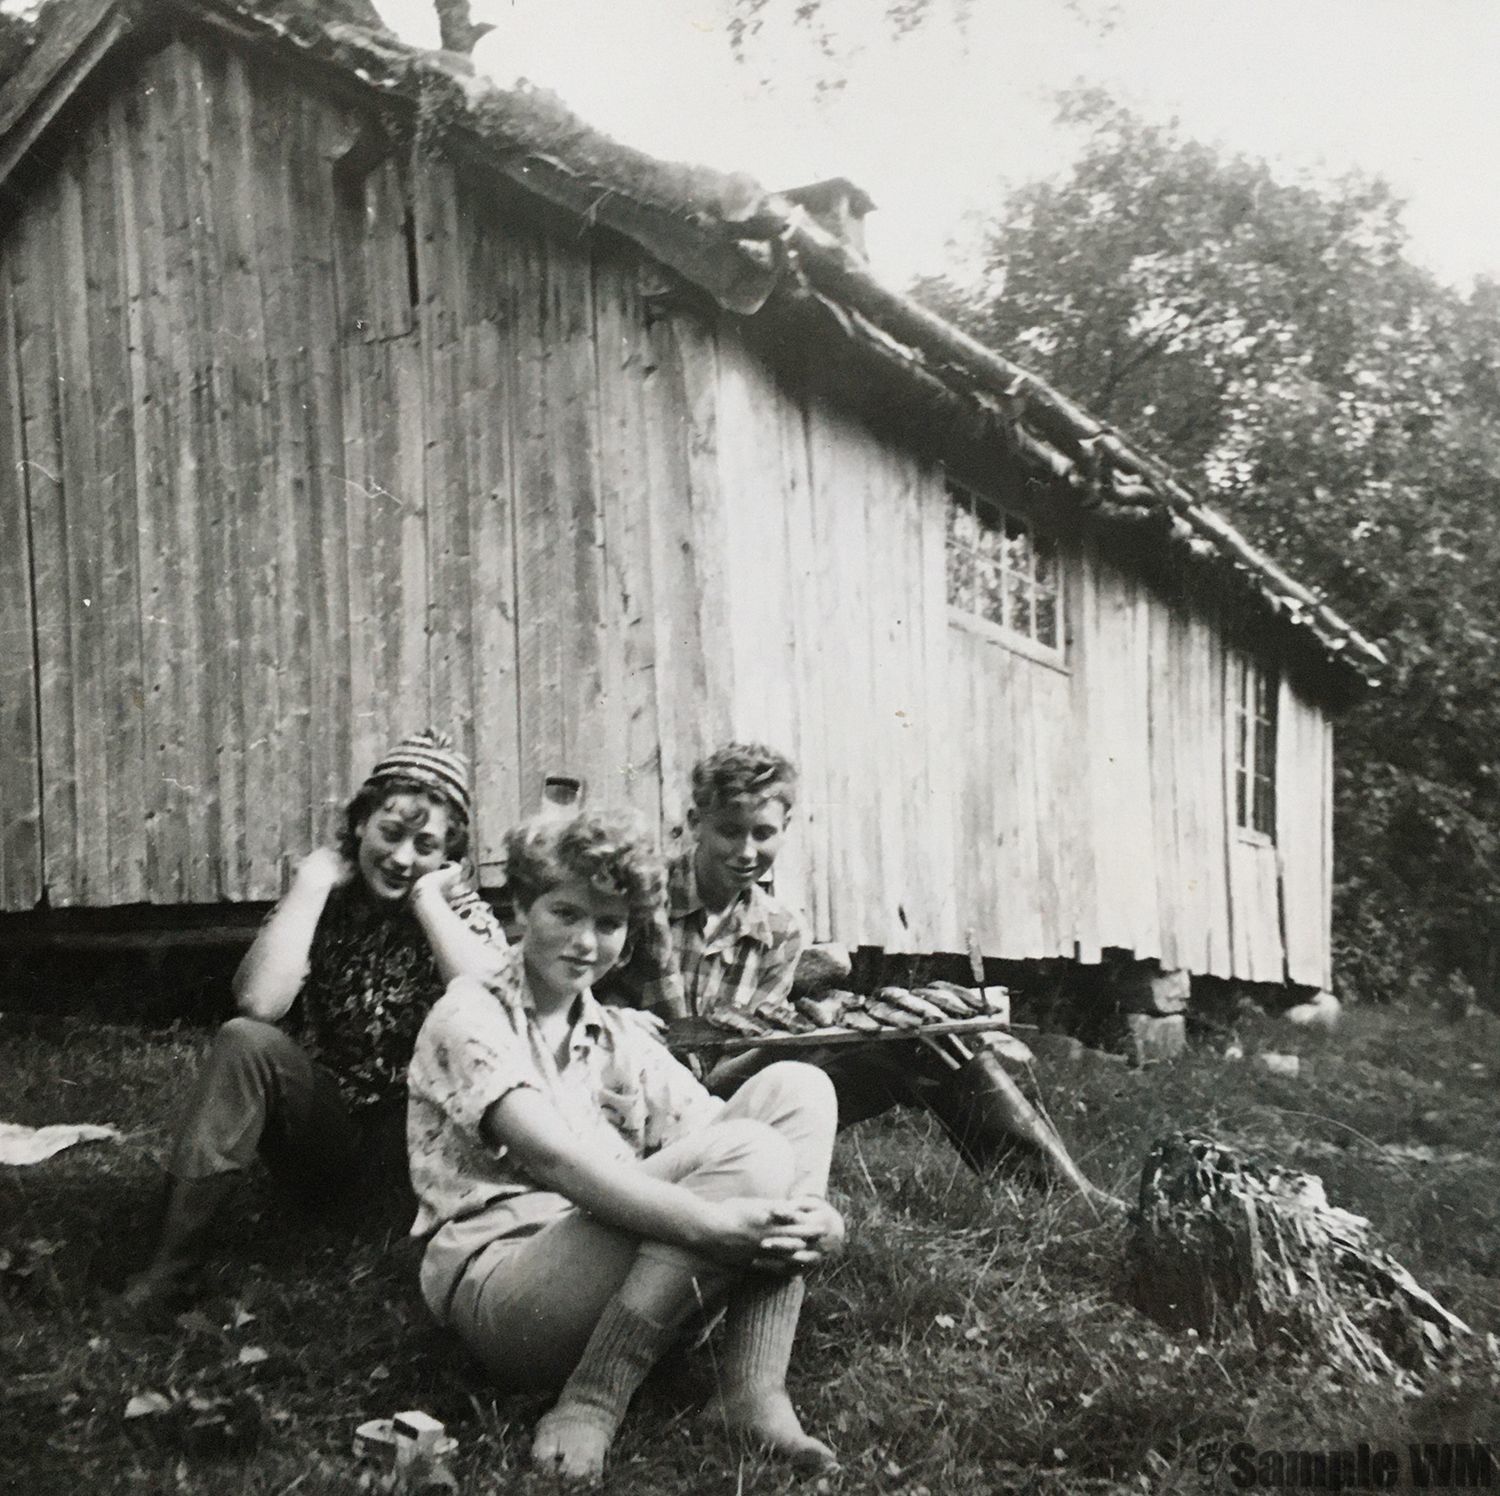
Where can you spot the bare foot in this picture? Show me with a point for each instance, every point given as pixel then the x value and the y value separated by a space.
pixel 572 1441
pixel 770 1420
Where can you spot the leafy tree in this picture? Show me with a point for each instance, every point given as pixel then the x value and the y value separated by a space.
pixel 827 21
pixel 762 33
pixel 1274 344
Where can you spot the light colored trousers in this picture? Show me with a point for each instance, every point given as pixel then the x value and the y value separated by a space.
pixel 527 1306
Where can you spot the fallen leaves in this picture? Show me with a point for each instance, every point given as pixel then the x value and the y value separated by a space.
pixel 147 1405
pixel 197 1421
pixel 977 1333
pixel 219 1411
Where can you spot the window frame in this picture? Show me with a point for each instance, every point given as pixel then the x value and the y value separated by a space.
pixel 1254 693
pixel 981 507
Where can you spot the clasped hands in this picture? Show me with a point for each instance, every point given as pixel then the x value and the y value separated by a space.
pixel 777 1236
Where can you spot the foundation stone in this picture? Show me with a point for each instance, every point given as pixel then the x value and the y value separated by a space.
pixel 1152 1038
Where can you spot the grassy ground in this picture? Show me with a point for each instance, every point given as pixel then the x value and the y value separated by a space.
pixel 973 1339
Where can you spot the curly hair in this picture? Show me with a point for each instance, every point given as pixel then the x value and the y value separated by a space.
pixel 610 852
pixel 375 792
pixel 740 769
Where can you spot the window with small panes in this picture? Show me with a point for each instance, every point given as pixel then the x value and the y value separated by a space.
pixel 1002 571
pixel 1253 702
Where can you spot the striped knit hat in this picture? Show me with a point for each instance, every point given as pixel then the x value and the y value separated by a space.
pixel 431 759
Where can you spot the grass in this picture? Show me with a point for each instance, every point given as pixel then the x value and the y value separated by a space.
pixel 973 1339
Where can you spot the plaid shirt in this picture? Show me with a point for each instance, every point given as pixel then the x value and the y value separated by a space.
pixel 692 961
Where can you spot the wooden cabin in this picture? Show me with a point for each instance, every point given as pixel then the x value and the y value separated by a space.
pixel 341 392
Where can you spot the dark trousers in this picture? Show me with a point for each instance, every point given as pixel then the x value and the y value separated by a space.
pixel 260 1092
pixel 961 1092
pixel 868 1079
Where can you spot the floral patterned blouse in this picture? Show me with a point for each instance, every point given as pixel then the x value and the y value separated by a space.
pixel 618 1088
pixel 371 979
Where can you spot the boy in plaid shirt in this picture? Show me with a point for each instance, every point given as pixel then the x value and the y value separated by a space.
pixel 724 939
pixel 726 942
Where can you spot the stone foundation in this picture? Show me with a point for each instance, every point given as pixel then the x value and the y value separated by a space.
pixel 1153 1038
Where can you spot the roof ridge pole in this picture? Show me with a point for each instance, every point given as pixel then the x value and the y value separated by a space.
pixel 818 250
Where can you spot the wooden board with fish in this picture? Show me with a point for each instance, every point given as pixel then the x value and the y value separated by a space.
pixel 690 1035
pixel 837 1017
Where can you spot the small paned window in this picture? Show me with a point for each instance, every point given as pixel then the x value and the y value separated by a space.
pixel 1254 703
pixel 1001 570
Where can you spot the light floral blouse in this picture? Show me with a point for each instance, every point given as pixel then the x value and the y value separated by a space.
pixel 619 1089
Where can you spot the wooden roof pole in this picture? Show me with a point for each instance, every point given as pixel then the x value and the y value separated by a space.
pixel 825 256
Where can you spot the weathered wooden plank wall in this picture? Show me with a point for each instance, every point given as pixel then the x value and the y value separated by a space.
pixel 313 462
pixel 953 784
pixel 1304 833
pixel 244 444
pixel 30 265
pixel 21 861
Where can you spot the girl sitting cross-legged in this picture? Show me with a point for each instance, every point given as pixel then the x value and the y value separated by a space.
pixel 585 1198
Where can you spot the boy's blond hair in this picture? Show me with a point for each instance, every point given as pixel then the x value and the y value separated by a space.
pixel 740 770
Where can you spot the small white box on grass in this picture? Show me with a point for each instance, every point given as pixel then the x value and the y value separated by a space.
pixel 399 1440
pixel 418 1429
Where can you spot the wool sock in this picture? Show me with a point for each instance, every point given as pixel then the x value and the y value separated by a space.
pixel 573 1439
pixel 759 1330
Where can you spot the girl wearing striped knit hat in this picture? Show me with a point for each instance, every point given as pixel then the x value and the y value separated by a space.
pixel 368 935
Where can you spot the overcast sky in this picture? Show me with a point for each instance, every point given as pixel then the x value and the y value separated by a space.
pixel 933 126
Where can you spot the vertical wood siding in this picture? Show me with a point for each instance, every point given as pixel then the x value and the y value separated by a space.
pixel 290 468
pixel 1304 834
pixel 21 857
pixel 31 259
pixel 952 784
